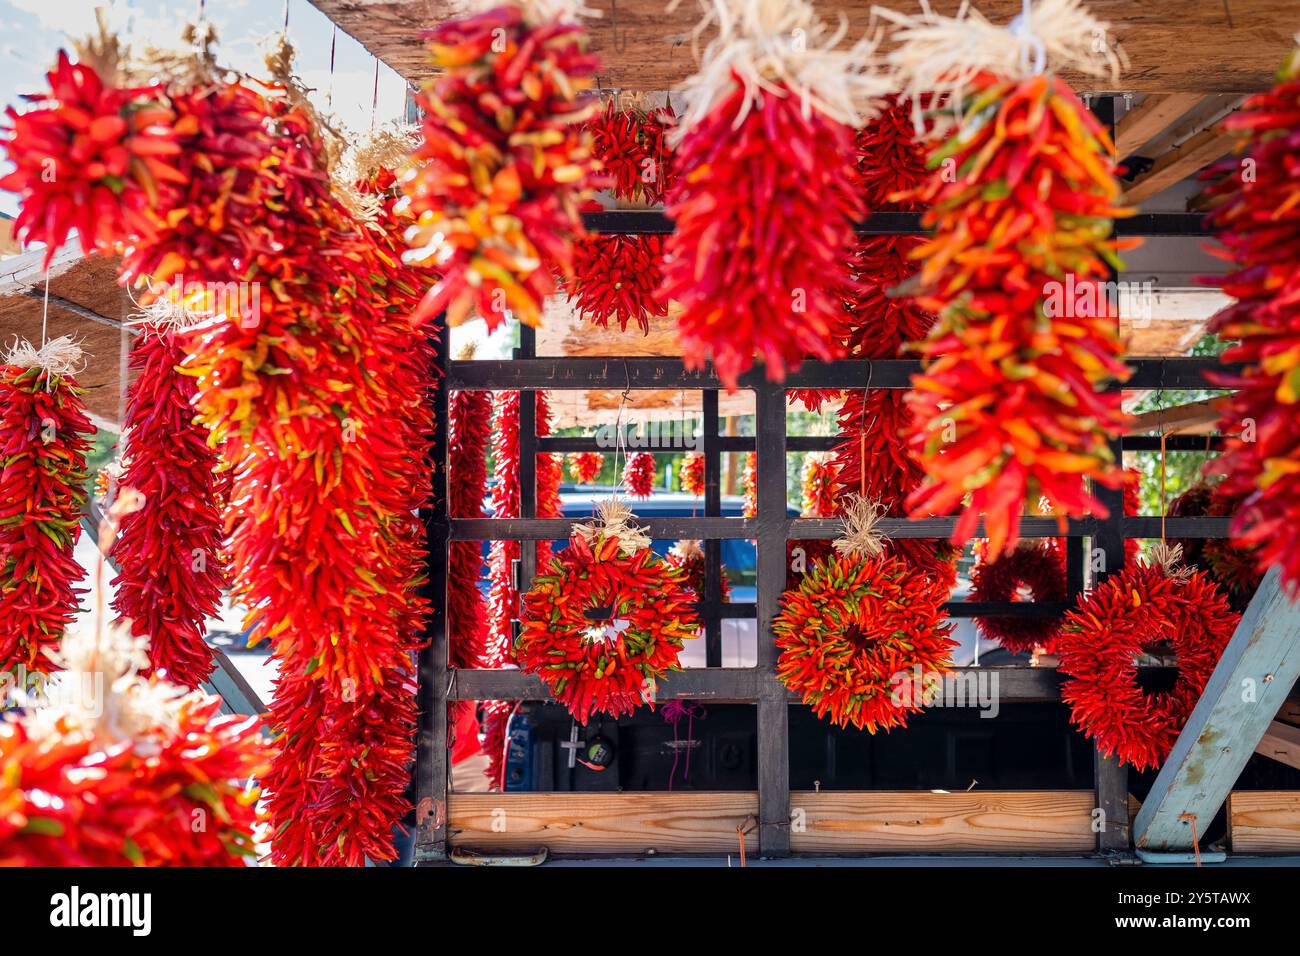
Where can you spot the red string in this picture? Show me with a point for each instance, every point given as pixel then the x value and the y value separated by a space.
pixel 1196 843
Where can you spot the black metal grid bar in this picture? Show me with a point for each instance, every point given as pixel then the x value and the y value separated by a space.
pixel 661 373
pixel 712 509
pixel 805 529
pixel 1110 777
pixel 654 222
pixel 564 444
pixel 773 699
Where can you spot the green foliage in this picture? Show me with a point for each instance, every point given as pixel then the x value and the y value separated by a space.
pixel 1182 468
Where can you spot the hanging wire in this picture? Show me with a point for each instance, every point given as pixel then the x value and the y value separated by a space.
pixel 374 99
pixel 329 95
pixel 618 424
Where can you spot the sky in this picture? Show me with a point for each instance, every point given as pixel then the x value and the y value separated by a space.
pixel 31 32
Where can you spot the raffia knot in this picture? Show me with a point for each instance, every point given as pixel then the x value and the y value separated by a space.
pixel 1169 557
pixel 688 549
pixel 615 519
pixel 861 538
pixel 937 56
pixel 780 47
pixel 61 356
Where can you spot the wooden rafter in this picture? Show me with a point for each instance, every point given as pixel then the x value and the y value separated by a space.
pixel 1173 46
pixel 1281 743
pixel 1176 165
pixel 1149 118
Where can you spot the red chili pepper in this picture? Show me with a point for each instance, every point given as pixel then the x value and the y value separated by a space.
pixel 1257 219
pixel 44 437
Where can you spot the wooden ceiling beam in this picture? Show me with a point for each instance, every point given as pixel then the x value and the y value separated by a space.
pixel 1146 120
pixel 1176 46
pixel 1176 165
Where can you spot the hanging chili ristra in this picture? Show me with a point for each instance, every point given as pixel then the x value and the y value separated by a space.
pixel 818 478
pixel 1012 403
pixel 693 473
pixel 639 474
pixel 121 778
pixel 585 466
pixel 506 164
pixel 44 437
pixel 1258 222
pixel 749 482
pixel 167 550
pixel 89 157
pixel 762 232
pixel 312 353
pixel 469 434
pixel 631 144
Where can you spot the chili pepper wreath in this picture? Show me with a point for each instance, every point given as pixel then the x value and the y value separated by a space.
pixel 167 550
pixel 688 555
pixel 761 232
pixel 607 620
pixel 1011 404
pixel 1232 567
pixel 1128 615
pixel 585 466
pixel 44 437
pixel 1034 566
pixel 1258 222
pixel 506 165
pixel 862 637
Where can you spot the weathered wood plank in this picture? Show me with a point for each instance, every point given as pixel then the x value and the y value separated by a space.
pixel 604 822
pixel 1173 46
pixel 1281 743
pixel 1030 821
pixel 1248 687
pixel 1264 821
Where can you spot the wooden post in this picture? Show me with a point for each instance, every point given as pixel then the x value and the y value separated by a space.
pixel 1249 685
pixel 431 735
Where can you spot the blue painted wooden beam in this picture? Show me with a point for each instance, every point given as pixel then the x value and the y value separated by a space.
pixel 1249 685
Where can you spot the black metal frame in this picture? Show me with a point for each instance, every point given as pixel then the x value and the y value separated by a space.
pixel 770 529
